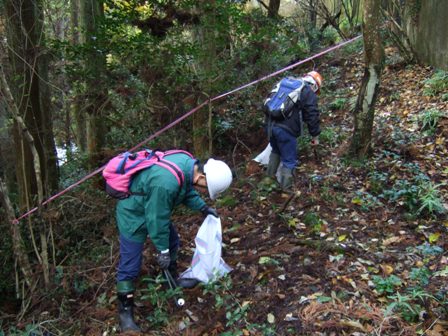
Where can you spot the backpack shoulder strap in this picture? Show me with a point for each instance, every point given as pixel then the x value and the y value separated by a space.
pixel 158 159
pixel 173 169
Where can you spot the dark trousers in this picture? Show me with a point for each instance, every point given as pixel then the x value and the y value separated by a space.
pixel 284 144
pixel 131 256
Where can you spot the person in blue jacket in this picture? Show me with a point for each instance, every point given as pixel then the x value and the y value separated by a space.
pixel 283 133
pixel 147 214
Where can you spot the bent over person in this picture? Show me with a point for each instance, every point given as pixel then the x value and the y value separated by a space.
pixel 155 192
pixel 284 128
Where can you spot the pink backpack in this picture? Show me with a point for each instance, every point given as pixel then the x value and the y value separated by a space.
pixel 119 170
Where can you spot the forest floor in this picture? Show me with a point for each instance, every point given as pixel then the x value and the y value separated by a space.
pixel 354 250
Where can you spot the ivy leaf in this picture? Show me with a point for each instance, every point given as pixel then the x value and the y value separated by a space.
pixel 434 237
pixel 342 237
pixel 323 299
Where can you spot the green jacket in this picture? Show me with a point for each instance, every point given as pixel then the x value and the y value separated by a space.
pixel 149 214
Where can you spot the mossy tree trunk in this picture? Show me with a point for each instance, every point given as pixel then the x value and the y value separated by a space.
pixel 364 112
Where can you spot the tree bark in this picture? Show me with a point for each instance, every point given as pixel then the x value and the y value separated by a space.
pixel 205 35
pixel 364 112
pixel 274 6
pixel 75 106
pixel 30 93
pixel 95 64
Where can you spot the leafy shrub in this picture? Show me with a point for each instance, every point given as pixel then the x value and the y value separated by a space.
pixel 386 285
pixel 313 221
pixel 437 84
pixel 420 275
pixel 377 181
pixel 30 330
pixel 404 304
pixel 404 193
pixel 227 201
pixel 429 250
pixel 159 300
pixel 330 136
pixel 338 103
pixel 430 199
pixel 236 313
pixel 409 305
pixel 366 201
pixel 418 194
pixel 429 119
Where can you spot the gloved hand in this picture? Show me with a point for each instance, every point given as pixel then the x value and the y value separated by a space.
pixel 314 141
pixel 206 210
pixel 164 259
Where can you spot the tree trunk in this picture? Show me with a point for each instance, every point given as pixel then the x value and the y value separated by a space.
pixel 312 33
pixel 274 6
pixel 365 106
pixel 95 64
pixel 76 110
pixel 202 133
pixel 29 69
pixel 425 23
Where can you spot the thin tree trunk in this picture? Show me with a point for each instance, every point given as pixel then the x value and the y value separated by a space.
pixel 17 241
pixel 312 33
pixel 75 106
pixel 364 112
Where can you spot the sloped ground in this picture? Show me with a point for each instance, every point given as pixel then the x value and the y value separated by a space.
pixel 307 262
pixel 330 258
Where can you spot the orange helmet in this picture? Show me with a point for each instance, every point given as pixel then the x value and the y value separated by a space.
pixel 317 77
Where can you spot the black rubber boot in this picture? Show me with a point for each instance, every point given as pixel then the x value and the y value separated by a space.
pixel 126 312
pixel 181 282
pixel 173 269
pixel 187 282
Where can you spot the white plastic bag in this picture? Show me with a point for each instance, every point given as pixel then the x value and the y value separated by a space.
pixel 207 263
pixel 263 157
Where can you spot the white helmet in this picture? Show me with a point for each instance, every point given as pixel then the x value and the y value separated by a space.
pixel 219 176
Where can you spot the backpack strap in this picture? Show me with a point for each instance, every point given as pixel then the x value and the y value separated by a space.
pixel 173 169
pixel 122 164
pixel 168 165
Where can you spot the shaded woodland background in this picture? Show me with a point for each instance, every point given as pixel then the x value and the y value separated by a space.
pixel 358 247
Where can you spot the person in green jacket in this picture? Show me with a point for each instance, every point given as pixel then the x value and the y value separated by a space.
pixel 146 213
